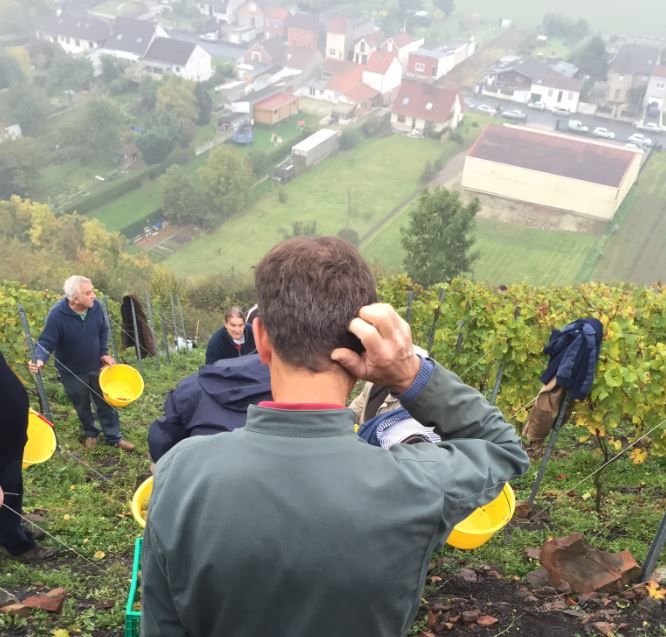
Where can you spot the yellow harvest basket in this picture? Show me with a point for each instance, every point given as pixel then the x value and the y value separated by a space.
pixel 41 440
pixel 476 529
pixel 140 501
pixel 121 385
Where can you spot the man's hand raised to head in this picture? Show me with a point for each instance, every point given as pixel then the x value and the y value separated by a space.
pixel 389 357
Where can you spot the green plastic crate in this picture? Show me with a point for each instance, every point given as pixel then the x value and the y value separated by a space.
pixel 133 617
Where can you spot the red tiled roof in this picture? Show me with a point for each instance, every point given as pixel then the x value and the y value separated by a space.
pixel 379 62
pixel 276 13
pixel 346 79
pixel 659 71
pixel 554 154
pixel 402 39
pixel 361 93
pixel 337 24
pixel 376 37
pixel 276 101
pixel 414 97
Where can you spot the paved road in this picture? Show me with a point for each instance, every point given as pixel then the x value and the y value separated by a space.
pixel 219 50
pixel 546 120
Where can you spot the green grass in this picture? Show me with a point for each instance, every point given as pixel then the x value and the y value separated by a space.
pixel 129 8
pixel 635 252
pixel 138 203
pixel 640 17
pixel 508 253
pixel 288 130
pixel 379 174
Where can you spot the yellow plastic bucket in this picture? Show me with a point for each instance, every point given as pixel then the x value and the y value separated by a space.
pixel 477 528
pixel 140 501
pixel 121 385
pixel 41 440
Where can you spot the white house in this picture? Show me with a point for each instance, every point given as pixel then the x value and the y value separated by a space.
pixel 10 132
pixel 75 33
pixel 531 80
pixel 656 88
pixel 383 72
pixel 420 106
pixel 402 44
pixel 130 39
pixel 367 45
pixel 168 56
pixel 220 10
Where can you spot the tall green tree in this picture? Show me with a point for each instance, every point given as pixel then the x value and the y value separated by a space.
pixel 10 72
pixel 68 73
pixel 184 200
pixel 176 95
pixel 225 179
pixel 19 167
pixel 592 59
pixel 96 129
pixel 439 237
pixel 29 106
pixel 159 138
pixel 204 104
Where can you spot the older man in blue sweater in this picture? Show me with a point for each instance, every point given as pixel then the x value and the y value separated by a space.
pixel 76 335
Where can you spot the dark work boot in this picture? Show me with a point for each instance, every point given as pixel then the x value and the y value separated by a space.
pixel 36 554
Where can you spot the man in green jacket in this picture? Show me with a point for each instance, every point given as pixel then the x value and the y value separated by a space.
pixel 293 526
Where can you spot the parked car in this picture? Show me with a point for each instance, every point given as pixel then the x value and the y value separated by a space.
pixel 484 108
pixel 558 111
pixel 515 114
pixel 652 109
pixel 600 131
pixel 577 126
pixel 649 126
pixel 537 106
pixel 210 37
pixel 633 147
pixel 640 140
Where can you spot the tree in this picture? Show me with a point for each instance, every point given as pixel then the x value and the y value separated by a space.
pixel 176 95
pixel 183 200
pixel 439 237
pixel 28 105
pixel 592 59
pixel 110 69
pixel 10 72
pixel 20 162
pixel 204 104
pixel 446 6
pixel 226 178
pixel 96 130
pixel 560 26
pixel 69 73
pixel 159 137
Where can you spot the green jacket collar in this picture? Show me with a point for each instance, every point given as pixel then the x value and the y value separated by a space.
pixel 300 423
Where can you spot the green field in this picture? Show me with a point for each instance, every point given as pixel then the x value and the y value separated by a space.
pixel 637 250
pixel 139 203
pixel 120 8
pixel 635 18
pixel 378 174
pixel 507 253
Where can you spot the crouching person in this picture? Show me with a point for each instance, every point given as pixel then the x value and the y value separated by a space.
pixel 293 526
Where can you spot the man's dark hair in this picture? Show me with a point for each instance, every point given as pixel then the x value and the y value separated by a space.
pixel 308 290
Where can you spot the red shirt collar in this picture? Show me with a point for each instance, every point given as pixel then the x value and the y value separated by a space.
pixel 271 404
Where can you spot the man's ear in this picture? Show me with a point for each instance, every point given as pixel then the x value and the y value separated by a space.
pixel 261 340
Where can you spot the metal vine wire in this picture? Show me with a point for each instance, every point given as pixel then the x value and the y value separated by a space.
pixel 603 466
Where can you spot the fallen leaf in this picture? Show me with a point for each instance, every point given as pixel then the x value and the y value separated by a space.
pixel 655 591
pixel 638 456
pixel 561 476
pixel 99 555
pixel 486 620
pixel 60 632
pixel 66 517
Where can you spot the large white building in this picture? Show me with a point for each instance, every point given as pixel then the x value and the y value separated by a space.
pixel 552 170
pixel 167 56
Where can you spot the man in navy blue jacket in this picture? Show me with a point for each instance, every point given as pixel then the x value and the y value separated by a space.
pixel 76 334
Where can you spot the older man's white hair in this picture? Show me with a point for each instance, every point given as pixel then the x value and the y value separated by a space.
pixel 73 285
